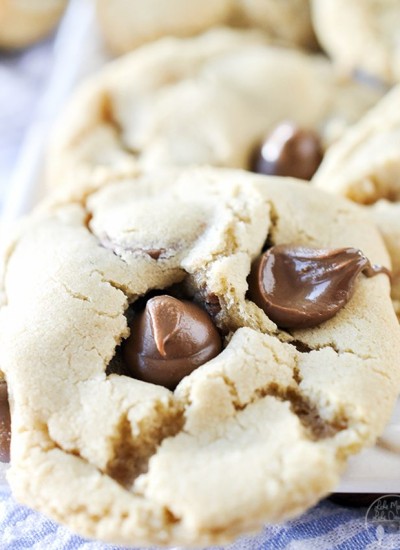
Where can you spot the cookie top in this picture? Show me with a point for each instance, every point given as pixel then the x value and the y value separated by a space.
pixel 126 24
pixel 360 35
pixel 364 166
pixel 256 434
pixel 288 21
pixel 23 22
pixel 204 100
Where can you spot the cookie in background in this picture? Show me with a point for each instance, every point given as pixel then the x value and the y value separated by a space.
pixel 127 24
pixel 23 22
pixel 360 35
pixel 364 166
pixel 207 100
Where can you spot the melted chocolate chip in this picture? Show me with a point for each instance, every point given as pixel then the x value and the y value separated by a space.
pixel 5 424
pixel 168 340
pixel 300 287
pixel 289 151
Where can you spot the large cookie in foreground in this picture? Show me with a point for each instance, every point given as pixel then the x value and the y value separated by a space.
pixel 256 434
pixel 208 100
pixel 364 166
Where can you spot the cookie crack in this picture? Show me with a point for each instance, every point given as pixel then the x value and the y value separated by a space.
pixel 108 117
pixel 115 284
pixel 83 298
pixel 315 426
pixel 132 453
pixel 299 345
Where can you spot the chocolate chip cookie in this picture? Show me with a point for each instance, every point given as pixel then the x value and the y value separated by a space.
pixel 364 166
pixel 360 35
pixel 209 100
pixel 191 354
pixel 23 22
pixel 126 24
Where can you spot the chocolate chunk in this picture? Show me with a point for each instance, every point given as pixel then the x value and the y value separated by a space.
pixel 5 424
pixel 168 340
pixel 289 151
pixel 299 287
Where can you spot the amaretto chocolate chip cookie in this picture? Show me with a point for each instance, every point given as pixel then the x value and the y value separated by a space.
pixel 364 166
pixel 206 100
pixel 25 21
pixel 127 24
pixel 193 354
pixel 361 35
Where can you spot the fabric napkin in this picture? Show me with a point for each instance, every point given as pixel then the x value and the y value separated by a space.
pixel 324 527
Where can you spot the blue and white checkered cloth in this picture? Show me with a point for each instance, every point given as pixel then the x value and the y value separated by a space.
pixel 324 527
pixel 327 526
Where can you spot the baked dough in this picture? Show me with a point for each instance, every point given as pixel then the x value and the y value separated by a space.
pixel 23 22
pixel 127 24
pixel 257 434
pixel 364 166
pixel 361 35
pixel 206 100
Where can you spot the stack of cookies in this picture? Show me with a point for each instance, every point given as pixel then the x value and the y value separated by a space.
pixel 196 320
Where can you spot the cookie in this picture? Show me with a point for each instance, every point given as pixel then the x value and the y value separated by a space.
pixel 126 24
pixel 364 166
pixel 360 36
pixel 113 300
pixel 23 22
pixel 288 20
pixel 207 100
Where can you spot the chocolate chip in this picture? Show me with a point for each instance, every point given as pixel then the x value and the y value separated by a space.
pixel 300 287
pixel 169 339
pixel 209 301
pixel 5 424
pixel 289 151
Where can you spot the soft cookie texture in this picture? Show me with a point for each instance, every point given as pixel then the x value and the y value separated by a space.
pixel 364 166
pixel 361 35
pixel 287 20
pixel 127 24
pixel 204 100
pixel 257 434
pixel 23 22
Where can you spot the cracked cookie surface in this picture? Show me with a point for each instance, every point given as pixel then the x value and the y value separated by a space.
pixel 208 100
pixel 257 434
pixel 364 166
pixel 360 35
